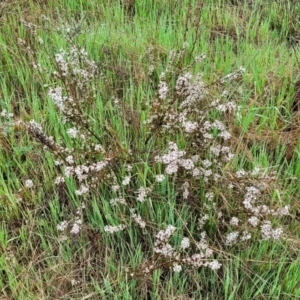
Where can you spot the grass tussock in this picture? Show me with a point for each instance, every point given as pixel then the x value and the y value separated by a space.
pixel 149 150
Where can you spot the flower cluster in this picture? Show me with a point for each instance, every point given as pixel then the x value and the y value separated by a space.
pixel 161 244
pixel 177 257
pixel 192 150
pixel 260 214
pixel 73 226
pixel 113 229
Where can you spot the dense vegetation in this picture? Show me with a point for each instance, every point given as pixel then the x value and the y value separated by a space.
pixel 149 149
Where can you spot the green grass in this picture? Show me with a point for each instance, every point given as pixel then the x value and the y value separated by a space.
pixel 35 263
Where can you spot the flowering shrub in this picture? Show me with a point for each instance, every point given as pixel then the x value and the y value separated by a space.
pixel 188 139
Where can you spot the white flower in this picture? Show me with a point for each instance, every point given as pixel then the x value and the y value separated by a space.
pixel 70 160
pixel 206 163
pixel 196 260
pixel 177 268
pixel 99 148
pixel 255 171
pixel 202 220
pixel 253 221
pixel 171 168
pixel 209 196
pixel 186 163
pixel 246 236
pixel 234 221
pixel 58 162
pixel 112 229
pixel 215 150
pixel 151 69
pixel 206 173
pixel 120 200
pixel 282 211
pixel 56 95
pixel 83 190
pixel 138 219
pixel 276 234
pixel 58 180
pixel 185 243
pixel 214 265
pixel 164 249
pixel 185 194
pixel 142 193
pixel 76 227
pixel 241 173
pixel 126 180
pixel 115 187
pixel 200 57
pixel 159 178
pixel 164 235
pixel 250 197
pixel 222 108
pixel 196 172
pixel 62 226
pixel 268 232
pixel 189 126
pixel 29 183
pixel 185 188
pixel 74 282
pixel 231 238
pixel 225 135
pixel 68 171
pixel 163 90
pixel 216 177
pixel 72 132
pixel 100 165
pixel 242 69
